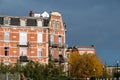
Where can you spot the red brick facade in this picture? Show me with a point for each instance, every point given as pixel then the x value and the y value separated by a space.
pixel 38 41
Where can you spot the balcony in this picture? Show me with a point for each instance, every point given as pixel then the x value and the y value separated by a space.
pixel 54 45
pixel 59 59
pixel 23 59
pixel 27 44
pixel 57 45
pixel 62 45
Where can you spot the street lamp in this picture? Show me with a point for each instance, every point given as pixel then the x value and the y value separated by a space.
pixel 67 54
pixel 117 62
pixel 103 71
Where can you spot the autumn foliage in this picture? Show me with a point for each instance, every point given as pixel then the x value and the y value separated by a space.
pixel 84 66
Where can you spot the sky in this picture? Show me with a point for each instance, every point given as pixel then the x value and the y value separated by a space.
pixel 89 22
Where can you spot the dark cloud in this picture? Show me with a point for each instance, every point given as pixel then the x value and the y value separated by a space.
pixel 88 21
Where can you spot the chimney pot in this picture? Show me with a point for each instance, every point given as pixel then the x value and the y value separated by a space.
pixel 31 14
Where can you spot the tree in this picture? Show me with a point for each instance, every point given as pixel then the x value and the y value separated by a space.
pixel 86 65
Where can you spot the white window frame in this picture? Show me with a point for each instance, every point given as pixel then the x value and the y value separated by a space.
pixel 6 21
pixel 22 23
pixel 40 52
pixel 7 36
pixel 53 23
pixel 23 38
pixel 51 39
pixel 52 52
pixel 39 37
pixel 6 62
pixel 58 24
pixel 39 23
pixel 23 51
pixel 60 52
pixel 60 39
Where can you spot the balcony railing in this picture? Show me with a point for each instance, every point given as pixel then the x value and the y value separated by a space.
pixel 60 59
pixel 57 45
pixel 27 44
pixel 23 59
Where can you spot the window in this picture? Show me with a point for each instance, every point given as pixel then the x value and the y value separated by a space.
pixel 46 22
pixel 39 37
pixel 1 20
pixel 40 52
pixel 6 62
pixel 23 51
pixel 51 53
pixel 53 24
pixel 6 36
pixel 23 38
pixel 6 49
pixel 6 22
pixel 57 24
pixel 22 22
pixel 15 21
pixel 39 23
pixel 31 22
pixel 60 52
pixel 60 39
pixel 51 39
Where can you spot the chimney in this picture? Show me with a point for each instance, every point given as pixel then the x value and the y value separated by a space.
pixel 92 46
pixel 31 14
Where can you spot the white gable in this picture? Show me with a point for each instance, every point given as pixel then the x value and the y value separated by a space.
pixel 45 14
pixel 55 13
pixel 37 15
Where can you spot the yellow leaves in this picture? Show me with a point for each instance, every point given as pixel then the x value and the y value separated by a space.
pixel 86 65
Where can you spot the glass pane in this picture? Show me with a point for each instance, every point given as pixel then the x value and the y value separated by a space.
pixel 39 52
pixel 15 21
pixel 23 38
pixel 22 23
pixel 6 36
pixel 40 23
pixel 39 36
pixel 1 20
pixel 31 22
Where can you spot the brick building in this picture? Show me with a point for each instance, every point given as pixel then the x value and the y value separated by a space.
pixel 82 49
pixel 38 37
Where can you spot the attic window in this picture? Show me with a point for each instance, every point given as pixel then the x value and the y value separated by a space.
pixel 31 22
pixel 46 22
pixel 1 20
pixel 57 24
pixel 15 21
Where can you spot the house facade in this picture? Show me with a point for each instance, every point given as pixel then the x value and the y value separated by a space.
pixel 38 37
pixel 82 49
pixel 86 49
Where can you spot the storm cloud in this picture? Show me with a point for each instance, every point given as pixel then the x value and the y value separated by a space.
pixel 89 22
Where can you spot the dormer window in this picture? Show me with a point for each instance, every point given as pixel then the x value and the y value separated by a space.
pixel 53 23
pixel 57 24
pixel 1 20
pixel 15 21
pixel 31 22
pixel 46 22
